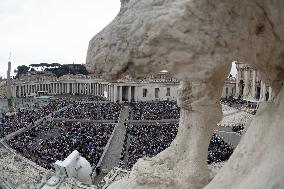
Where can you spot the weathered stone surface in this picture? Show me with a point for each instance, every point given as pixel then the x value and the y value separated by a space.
pixel 17 172
pixel 196 40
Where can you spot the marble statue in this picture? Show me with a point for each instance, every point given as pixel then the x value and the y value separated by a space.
pixel 196 41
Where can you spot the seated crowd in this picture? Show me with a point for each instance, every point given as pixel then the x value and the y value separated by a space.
pixel 218 150
pixel 250 107
pixel 81 98
pixel 27 116
pixel 154 110
pixel 92 111
pixel 56 140
pixel 149 140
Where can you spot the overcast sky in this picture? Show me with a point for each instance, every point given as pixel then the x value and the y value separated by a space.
pixel 37 31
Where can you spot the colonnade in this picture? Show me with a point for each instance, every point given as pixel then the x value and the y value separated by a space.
pixel 249 86
pixel 56 88
pixel 113 92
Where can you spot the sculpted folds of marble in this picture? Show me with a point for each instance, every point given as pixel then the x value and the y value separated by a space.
pixel 196 40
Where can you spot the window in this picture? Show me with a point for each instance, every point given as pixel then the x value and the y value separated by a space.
pixel 145 92
pixel 168 92
pixel 157 92
pixel 227 90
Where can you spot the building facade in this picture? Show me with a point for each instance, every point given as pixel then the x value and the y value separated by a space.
pixel 158 87
pixel 229 89
pixel 3 88
pixel 249 85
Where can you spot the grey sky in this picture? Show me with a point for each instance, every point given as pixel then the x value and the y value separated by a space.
pixel 49 31
pixel 36 31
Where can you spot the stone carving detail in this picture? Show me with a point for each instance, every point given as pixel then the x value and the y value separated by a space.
pixel 196 40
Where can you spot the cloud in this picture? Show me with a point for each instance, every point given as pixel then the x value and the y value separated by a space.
pixel 50 31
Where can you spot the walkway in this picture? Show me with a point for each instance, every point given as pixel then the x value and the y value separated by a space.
pixel 111 156
pixel 144 121
pixel 30 126
pixel 84 120
pixel 229 137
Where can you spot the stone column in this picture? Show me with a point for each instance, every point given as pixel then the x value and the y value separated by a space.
pixel 136 93
pixel 114 93
pixel 246 87
pixel 68 88
pixel 88 88
pixel 120 94
pixel 262 91
pixel 270 94
pixel 77 87
pixel 99 89
pixel 93 89
pixel 14 91
pixel 237 83
pixel 110 92
pixel 129 93
pixel 186 158
pixel 253 85
pixel 52 88
pixel 60 88
pixel 25 89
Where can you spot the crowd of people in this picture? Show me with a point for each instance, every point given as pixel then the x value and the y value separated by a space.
pixel 149 140
pixel 154 110
pixel 56 140
pixel 248 106
pixel 81 98
pixel 218 150
pixel 26 116
pixel 238 129
pixel 92 111
pixel 236 118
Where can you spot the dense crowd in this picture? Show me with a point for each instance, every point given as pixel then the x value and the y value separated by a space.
pixel 236 118
pixel 238 129
pixel 53 140
pixel 81 98
pixel 248 106
pixel 218 150
pixel 56 140
pixel 24 117
pixel 149 140
pixel 92 111
pixel 155 110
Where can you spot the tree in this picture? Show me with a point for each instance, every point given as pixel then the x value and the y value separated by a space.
pixel 23 69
